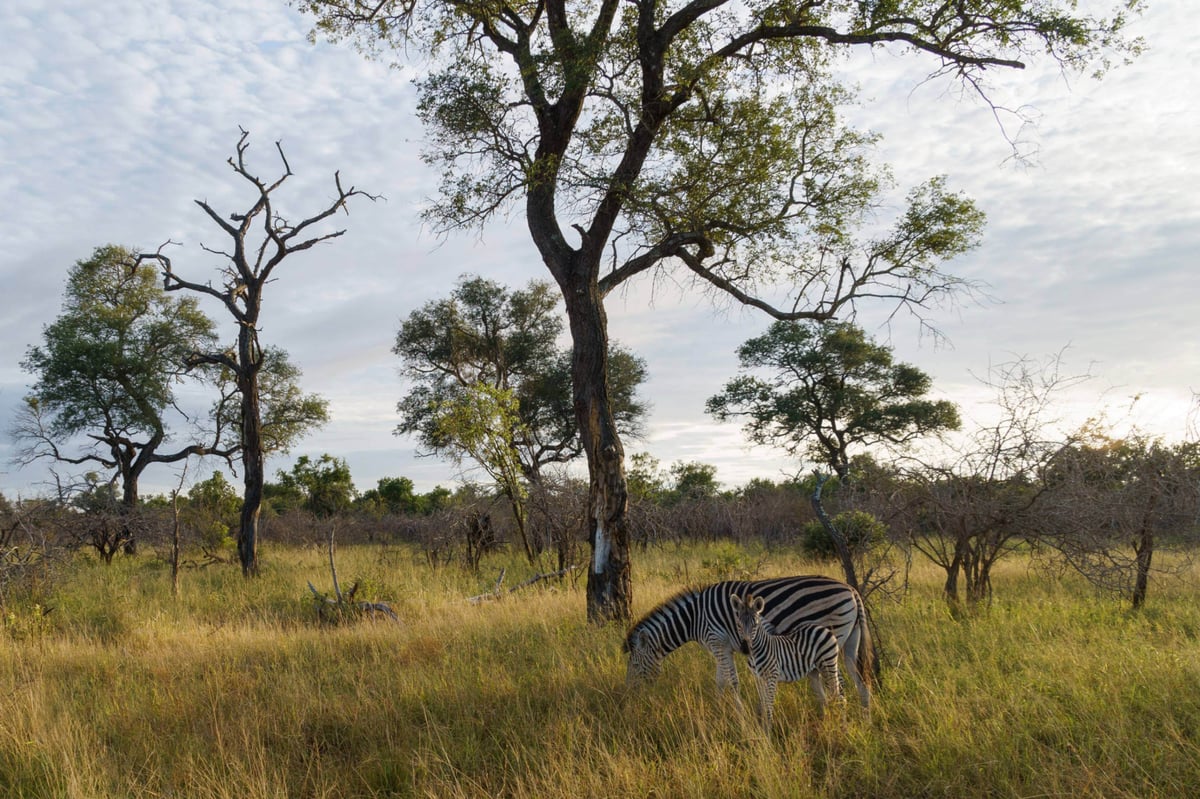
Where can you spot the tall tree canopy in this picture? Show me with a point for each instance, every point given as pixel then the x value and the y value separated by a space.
pixel 486 335
pixel 700 135
pixel 107 372
pixel 828 388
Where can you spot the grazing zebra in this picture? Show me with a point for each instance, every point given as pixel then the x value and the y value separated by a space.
pixel 806 650
pixel 704 615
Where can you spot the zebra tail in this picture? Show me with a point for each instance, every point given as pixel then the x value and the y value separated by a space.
pixel 867 658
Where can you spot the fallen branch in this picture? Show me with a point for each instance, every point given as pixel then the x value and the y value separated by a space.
pixel 340 607
pixel 342 603
pixel 495 593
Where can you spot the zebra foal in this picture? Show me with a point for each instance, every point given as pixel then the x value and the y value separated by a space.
pixel 807 650
pixel 704 615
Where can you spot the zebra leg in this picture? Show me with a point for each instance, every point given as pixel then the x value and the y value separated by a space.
pixel 767 685
pixel 850 659
pixel 815 679
pixel 727 676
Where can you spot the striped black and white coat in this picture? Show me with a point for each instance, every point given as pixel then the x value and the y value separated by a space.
pixel 806 650
pixel 705 615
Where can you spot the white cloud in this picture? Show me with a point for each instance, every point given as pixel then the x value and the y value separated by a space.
pixel 115 116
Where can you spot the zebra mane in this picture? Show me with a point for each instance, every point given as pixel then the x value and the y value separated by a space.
pixel 681 599
pixel 685 599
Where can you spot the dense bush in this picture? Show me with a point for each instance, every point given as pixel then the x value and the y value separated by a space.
pixel 860 529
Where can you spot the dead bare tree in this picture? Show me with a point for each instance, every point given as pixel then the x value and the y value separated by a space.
pixel 260 239
pixel 1119 502
pixel 982 499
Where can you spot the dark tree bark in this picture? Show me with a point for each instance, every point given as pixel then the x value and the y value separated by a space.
pixel 839 540
pixel 609 585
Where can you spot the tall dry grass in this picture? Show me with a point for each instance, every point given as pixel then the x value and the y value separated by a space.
pixel 235 690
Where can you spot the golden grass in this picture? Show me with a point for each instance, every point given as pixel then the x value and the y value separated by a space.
pixel 234 690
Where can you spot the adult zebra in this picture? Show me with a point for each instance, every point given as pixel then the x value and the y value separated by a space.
pixel 705 615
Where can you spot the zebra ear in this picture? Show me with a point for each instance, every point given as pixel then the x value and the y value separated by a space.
pixel 736 601
pixel 759 604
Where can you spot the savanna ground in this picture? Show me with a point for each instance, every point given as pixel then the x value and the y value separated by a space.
pixel 235 690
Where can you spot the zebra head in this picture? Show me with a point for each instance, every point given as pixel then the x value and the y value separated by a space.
pixel 747 615
pixel 644 653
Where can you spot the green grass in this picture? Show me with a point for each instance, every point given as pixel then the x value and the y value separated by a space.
pixel 234 690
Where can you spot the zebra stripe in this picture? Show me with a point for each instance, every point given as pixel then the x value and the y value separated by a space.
pixel 806 650
pixel 705 615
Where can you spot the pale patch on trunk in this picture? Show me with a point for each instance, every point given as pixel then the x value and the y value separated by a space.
pixel 602 547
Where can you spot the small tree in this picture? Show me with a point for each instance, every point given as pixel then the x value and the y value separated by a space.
pixel 829 389
pixel 1114 502
pixel 483 423
pixel 693 480
pixel 325 484
pixel 252 260
pixel 106 375
pixel 486 334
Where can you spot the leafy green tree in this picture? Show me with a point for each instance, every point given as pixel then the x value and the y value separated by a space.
pixel 260 239
pixel 828 388
pixel 325 484
pixel 398 495
pixel 212 511
pixel 107 371
pixel 694 480
pixel 702 136
pixel 486 334
pixel 483 423
pixel 645 478
pixel 391 495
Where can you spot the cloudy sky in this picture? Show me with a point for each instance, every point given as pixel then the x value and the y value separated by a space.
pixel 116 116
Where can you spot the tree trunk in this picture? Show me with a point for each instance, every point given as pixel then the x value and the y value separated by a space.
pixel 1145 554
pixel 253 468
pixel 950 588
pixel 839 540
pixel 129 506
pixel 609 585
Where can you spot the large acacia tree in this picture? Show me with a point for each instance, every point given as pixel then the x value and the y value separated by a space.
pixel 258 240
pixel 700 135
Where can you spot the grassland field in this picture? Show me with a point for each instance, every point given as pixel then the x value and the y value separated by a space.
pixel 235 689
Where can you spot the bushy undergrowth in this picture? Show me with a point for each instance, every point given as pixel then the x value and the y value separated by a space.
pixel 235 690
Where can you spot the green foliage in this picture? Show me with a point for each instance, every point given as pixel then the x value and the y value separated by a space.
pixel 829 388
pixel 325 485
pixel 110 361
pixel 861 530
pixel 487 335
pixel 644 478
pixel 693 480
pixel 212 511
pixel 397 495
pixel 287 414
pixel 108 368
